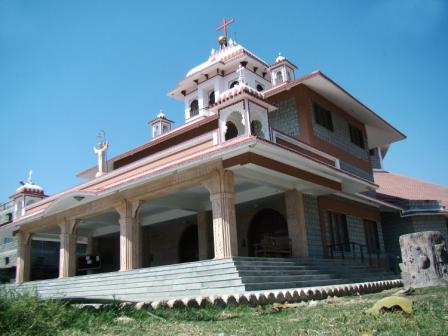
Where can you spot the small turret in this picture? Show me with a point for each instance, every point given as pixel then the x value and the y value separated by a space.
pixel 160 125
pixel 28 193
pixel 282 70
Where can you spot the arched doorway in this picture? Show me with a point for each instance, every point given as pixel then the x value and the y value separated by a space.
pixel 188 245
pixel 266 222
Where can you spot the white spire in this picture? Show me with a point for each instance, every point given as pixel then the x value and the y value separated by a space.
pixel 30 177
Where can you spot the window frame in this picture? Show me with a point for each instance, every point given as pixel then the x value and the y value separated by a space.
pixel 233 83
pixel 371 227
pixel 323 117
pixel 356 136
pixel 197 111
pixel 338 227
pixel 210 93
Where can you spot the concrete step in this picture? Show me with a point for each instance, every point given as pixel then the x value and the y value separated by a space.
pixel 291 284
pixel 148 282
pixel 233 275
pixel 285 278
pixel 139 288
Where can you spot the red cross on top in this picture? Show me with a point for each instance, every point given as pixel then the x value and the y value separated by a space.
pixel 224 25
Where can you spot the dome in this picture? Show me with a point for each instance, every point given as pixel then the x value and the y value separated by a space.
pixel 30 187
pixel 279 58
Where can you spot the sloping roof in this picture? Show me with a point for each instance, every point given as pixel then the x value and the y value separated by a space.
pixel 409 188
pixel 379 132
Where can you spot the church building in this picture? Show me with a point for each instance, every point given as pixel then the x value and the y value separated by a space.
pixel 269 163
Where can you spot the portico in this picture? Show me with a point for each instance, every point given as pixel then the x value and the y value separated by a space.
pixel 210 197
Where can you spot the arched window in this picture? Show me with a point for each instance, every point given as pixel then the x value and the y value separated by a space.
pixel 211 98
pixel 278 77
pixel 194 108
pixel 260 87
pixel 256 128
pixel 233 84
pixel 232 131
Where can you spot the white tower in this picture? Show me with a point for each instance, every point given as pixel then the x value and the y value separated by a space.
pixel 28 193
pixel 160 125
pixel 282 71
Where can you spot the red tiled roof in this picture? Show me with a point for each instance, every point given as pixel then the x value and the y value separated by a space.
pixel 409 188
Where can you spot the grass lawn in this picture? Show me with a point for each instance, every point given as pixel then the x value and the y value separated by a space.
pixel 25 315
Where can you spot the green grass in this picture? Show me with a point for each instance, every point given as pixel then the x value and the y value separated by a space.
pixel 27 315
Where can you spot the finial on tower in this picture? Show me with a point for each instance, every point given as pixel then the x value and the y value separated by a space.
pixel 30 177
pixel 223 39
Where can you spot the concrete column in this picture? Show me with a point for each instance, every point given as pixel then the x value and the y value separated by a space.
pixel 222 196
pixel 130 245
pixel 202 235
pixel 295 217
pixel 23 267
pixel 67 249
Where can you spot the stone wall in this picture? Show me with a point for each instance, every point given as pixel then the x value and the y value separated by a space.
pixel 368 175
pixel 375 159
pixel 431 223
pixel 312 224
pixel 340 136
pixel 285 118
pixel 393 227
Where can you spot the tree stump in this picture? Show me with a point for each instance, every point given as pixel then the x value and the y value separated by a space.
pixel 425 259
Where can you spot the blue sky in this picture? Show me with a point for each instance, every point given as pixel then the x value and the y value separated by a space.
pixel 71 68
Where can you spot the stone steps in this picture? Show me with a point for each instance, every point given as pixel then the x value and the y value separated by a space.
pixel 210 277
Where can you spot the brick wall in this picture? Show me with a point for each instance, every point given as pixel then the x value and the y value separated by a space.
pixel 285 118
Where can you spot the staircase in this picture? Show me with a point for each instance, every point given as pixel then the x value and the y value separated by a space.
pixel 209 277
pixel 274 273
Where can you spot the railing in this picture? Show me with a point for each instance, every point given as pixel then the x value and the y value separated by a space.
pixel 347 248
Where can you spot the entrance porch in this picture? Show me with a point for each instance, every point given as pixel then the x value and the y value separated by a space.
pixel 216 211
